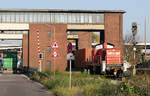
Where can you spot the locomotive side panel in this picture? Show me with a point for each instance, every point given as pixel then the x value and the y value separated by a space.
pixel 113 56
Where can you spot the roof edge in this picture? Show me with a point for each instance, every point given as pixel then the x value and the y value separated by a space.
pixel 62 10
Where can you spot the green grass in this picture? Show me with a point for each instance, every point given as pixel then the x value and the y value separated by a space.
pixel 84 84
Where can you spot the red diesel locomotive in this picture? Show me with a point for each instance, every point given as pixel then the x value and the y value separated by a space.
pixel 103 59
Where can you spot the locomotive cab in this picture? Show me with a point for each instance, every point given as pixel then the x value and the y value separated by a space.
pixel 108 59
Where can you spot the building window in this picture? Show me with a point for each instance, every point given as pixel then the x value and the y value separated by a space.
pixel 49 34
pixel 52 17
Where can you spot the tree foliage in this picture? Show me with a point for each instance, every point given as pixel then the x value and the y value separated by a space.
pixel 128 50
pixel 95 37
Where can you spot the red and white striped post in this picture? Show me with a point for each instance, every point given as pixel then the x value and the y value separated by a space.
pixel 39 51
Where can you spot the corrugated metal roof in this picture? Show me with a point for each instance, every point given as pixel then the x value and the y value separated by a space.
pixel 62 10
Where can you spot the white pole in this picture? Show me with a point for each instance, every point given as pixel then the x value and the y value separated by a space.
pixel 40 65
pixel 134 70
pixel 70 75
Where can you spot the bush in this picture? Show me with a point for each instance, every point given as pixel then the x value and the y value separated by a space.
pixel 48 72
pixel 53 82
pixel 138 85
pixel 109 89
pixel 35 77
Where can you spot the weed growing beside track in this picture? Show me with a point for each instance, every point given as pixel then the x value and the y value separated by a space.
pixel 84 84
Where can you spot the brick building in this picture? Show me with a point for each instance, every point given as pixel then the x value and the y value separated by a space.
pixel 40 28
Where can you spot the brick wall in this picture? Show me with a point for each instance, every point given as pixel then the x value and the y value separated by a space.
pixel 114 29
pixel 45 41
pixel 25 49
pixel 85 40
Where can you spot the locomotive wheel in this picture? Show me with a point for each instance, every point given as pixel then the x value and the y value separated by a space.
pixel 119 73
pixel 91 70
pixel 140 72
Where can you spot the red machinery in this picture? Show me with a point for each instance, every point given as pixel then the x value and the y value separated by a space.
pixel 104 58
pixel 107 59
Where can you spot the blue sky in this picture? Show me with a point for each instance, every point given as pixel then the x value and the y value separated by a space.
pixel 136 10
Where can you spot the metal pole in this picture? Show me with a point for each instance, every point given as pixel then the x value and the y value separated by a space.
pixel 145 37
pixel 70 75
pixel 134 32
pixel 54 67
